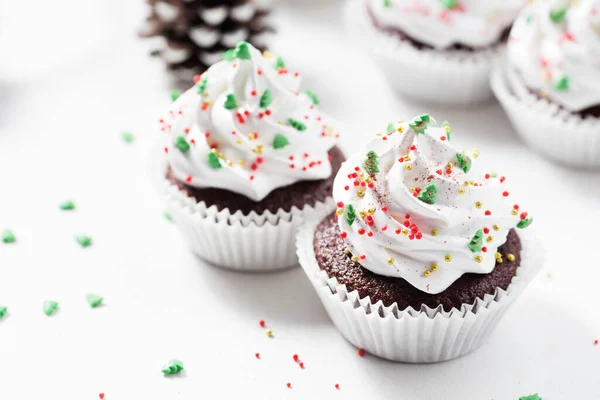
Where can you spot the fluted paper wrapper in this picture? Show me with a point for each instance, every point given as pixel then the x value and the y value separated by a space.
pixel 548 129
pixel 433 76
pixel 253 242
pixel 415 336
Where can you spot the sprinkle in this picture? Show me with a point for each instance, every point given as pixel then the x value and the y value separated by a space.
pixel 3 311
pixel 101 395
pixel 50 307
pixel 182 144
pixel 279 63
pixel 83 240
pixel 213 160
pixel 419 124
pixel 202 86
pixel 94 301
pixel 490 239
pixel 262 323
pixel 289 385
pixel 476 242
pixel 67 206
pixel 361 352
pixel 524 223
pixel 479 259
pixel 449 4
pixel 280 141
pixel 172 367
pixel 350 215
pixel 448 258
pixel 434 232
pixel 269 333
pixel 464 162
pixel 390 261
pixel 427 273
pixel 297 124
pixel 175 94
pixel 295 357
pixel 428 195
pixel 511 257
pixel 558 15
pixel 257 355
pixel 434 267
pixel 127 137
pixel 8 236
pixel 301 365
pixel 313 97
pixel 488 213
pixel 266 99
pixel 596 341
pixel 337 386
pixel 562 85
pixel 461 191
pixel 371 163
pixel 230 102
pixel 478 205
pixel 531 397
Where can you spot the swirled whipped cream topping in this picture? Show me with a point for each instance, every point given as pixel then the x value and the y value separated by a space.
pixel 555 48
pixel 245 127
pixel 444 23
pixel 412 206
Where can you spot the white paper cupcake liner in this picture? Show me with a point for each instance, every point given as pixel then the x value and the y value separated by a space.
pixel 431 76
pixel 416 336
pixel 254 242
pixel 545 127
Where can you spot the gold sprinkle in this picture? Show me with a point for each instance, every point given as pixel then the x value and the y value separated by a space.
pixel 369 179
pixel 267 54
pixel 347 251
pixel 434 232
pixel 355 258
pixel 409 167
pixel 543 94
pixel 360 193
pixel 400 129
pixel 427 273
pixel 252 136
pixel 475 153
pixel 269 333
pixel 239 141
pixel 461 190
pixel 478 259
pixel 241 163
pixel 363 213
pixel 448 258
pixel 361 175
pixel 371 211
pixel 511 257
pixel 411 189
pixel 450 165
pixel 489 239
pixel 447 128
pixel 390 260
pixel 407 158
pixel 496 228
pixel 230 163
pixel 404 232
pixel 339 211
pixel 548 275
pixel 514 212
pixel 434 267
pixel 478 204
pixel 221 154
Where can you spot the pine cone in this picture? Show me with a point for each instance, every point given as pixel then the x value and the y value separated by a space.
pixel 195 33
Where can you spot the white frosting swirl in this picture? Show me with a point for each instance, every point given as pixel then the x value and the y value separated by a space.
pixel 444 23
pixel 555 48
pixel 245 128
pixel 396 232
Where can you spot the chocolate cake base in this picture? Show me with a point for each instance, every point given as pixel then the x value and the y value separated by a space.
pixel 329 251
pixel 590 112
pixel 420 45
pixel 298 194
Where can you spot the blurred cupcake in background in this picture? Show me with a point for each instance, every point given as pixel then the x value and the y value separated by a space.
pixel 550 86
pixel 421 263
pixel 245 158
pixel 192 35
pixel 437 51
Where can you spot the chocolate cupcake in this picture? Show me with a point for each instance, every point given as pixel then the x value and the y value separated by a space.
pixel 425 251
pixel 247 158
pixel 550 85
pixel 437 51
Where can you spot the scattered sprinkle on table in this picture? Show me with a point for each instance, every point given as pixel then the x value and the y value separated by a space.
pixel 269 333
pixel 262 323
pixel 94 301
pixel 8 236
pixel 4 310
pixel 361 352
pixel 257 355
pixel 127 137
pixel 50 307
pixel 337 386
pixel 289 384
pixel 595 341
pixel 168 216
pixel 531 397
pixel 83 240
pixel 301 365
pixel 67 205
pixel 101 395
pixel 173 367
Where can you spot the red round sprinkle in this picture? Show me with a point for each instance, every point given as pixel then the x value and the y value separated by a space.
pixel 289 385
pixel 419 235
pixel 486 230
pixel 401 159
pixel 484 249
pixel 295 357
pixel 337 386
pixel 259 72
pixel 188 178
pixel 361 231
pixel 167 150
pixel 385 138
pixel 340 204
pixel 488 212
pixel 343 235
pixel 356 169
pixel 260 160
pixel 253 167
pixel 361 352
pixel 262 323
pixel 398 231
pixel 253 92
pixel 384 228
pixel 442 138
pixel 523 215
pixel 407 216
pixel 384 209
pixel 413 147
pixel 414 229
pixel 516 206
pixel 268 112
pixel 196 79
pixel 257 355
pixel 346 187
pixel 502 179
pixel 487 176
pixel 411 236
pixel 448 171
pixel 292 166
pixel 370 234
pixel 362 257
pixel 596 341
pixel 301 365
pixel 101 395
pixel 505 194
pixel 439 172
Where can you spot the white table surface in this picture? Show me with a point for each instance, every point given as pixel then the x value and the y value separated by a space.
pixel 73 77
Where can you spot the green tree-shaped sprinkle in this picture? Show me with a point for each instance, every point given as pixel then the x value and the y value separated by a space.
pixel 419 124
pixel 297 124
pixel 213 160
pixel 83 240
pixel 231 102
pixel 50 307
pixel 279 63
pixel 67 205
pixel 350 215
pixel 94 301
pixel 242 51
pixel 313 97
pixel 390 128
pixel 531 397
pixel 280 141
pixel 558 15
pixel 175 94
pixel 182 144
pixel 449 4
pixel 428 194
pixel 172 367
pixel 8 236
pixel 202 85
pixel 3 311
pixel 371 163
pixel 524 223
pixel 464 161
pixel 266 99
pixel 386 3
pixel 476 243
pixel 562 85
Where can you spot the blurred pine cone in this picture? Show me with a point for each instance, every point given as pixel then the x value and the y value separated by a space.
pixel 193 34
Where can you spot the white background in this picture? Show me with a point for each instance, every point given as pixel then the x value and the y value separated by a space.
pixel 73 76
